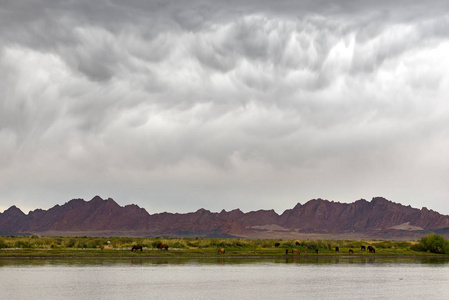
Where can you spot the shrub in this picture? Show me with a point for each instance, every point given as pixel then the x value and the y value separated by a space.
pixel 3 244
pixel 194 244
pixel 433 243
pixel 97 243
pixel 71 243
pixel 81 244
pixel 23 244
pixel 178 245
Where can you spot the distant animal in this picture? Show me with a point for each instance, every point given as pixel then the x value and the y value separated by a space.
pixel 305 249
pixel 363 248
pixel 297 243
pixel 136 247
pixel 296 251
pixel 286 251
pixel 162 246
pixel 371 249
pixel 351 251
pixel 337 249
pixel 277 245
pixel 316 251
pixel 221 251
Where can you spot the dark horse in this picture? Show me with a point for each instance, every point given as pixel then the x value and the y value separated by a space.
pixel 136 247
pixel 277 245
pixel 371 249
pixel 162 246
pixel 337 249
pixel 363 248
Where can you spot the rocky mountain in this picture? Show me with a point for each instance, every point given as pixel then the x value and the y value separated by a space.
pixel 318 218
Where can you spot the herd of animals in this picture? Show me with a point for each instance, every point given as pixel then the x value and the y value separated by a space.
pixel 293 251
pixel 337 249
pixel 159 246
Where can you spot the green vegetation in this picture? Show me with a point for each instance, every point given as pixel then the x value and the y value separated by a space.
pixel 432 243
pixel 35 246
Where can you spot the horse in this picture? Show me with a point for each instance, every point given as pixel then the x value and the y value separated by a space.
pixel 221 251
pixel 371 249
pixel 162 246
pixel 316 251
pixel 305 249
pixel 297 243
pixel 337 249
pixel 296 251
pixel 286 251
pixel 363 248
pixel 137 247
pixel 351 251
pixel 277 245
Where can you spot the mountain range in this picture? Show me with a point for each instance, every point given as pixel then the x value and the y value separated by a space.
pixel 318 218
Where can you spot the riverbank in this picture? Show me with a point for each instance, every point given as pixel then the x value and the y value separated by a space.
pixel 117 247
pixel 200 253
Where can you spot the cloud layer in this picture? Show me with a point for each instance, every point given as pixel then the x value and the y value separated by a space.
pixel 175 106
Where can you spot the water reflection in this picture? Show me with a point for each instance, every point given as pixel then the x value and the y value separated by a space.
pixel 314 260
pixel 303 277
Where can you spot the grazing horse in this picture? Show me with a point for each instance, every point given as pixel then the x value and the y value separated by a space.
pixel 363 248
pixel 162 246
pixel 221 251
pixel 351 251
pixel 277 245
pixel 294 251
pixel 305 249
pixel 337 249
pixel 371 249
pixel 286 251
pixel 297 243
pixel 136 247
pixel 316 251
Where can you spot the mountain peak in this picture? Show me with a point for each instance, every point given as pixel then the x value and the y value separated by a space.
pixel 96 199
pixel 297 206
pixel 202 211
pixel 111 202
pixel 14 211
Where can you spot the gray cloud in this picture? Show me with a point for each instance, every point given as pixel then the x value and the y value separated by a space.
pixel 176 106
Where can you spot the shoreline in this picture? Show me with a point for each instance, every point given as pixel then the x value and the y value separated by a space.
pixel 193 254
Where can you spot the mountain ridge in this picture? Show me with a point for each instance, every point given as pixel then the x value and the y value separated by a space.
pixel 378 218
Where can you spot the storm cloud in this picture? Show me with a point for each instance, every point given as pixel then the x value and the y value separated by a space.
pixel 177 105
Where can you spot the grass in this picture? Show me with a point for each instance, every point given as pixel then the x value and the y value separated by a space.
pixel 34 246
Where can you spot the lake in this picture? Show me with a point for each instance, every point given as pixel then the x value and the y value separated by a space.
pixel 225 278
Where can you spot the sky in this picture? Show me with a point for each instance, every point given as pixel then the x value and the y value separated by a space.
pixel 181 105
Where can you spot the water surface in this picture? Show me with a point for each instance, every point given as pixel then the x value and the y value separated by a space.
pixel 220 278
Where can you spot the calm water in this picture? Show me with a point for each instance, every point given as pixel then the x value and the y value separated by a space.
pixel 318 278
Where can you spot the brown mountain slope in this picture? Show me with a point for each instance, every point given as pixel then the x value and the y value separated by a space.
pixel 379 218
pixel 361 216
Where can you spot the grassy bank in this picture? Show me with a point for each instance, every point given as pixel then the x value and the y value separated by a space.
pixel 34 246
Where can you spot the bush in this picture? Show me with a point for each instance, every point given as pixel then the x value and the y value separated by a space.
pixel 178 245
pixel 71 243
pixel 433 243
pixel 23 244
pixel 392 244
pixel 3 243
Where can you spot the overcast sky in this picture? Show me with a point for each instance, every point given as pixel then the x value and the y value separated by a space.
pixel 181 105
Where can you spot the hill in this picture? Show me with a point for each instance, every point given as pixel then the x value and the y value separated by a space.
pixel 318 218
